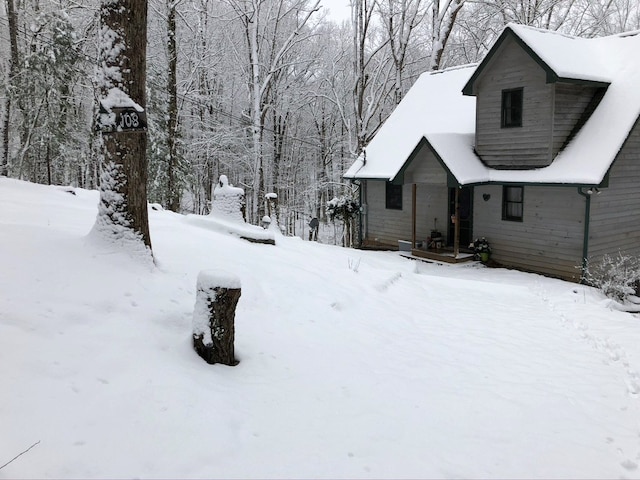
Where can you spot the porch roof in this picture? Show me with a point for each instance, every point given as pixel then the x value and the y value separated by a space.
pixel 434 104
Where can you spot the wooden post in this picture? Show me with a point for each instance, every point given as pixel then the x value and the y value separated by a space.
pixel 213 317
pixel 456 226
pixel 413 214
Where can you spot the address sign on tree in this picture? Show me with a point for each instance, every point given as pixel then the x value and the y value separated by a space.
pixel 119 114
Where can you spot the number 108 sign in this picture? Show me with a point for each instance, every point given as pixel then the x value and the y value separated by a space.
pixel 121 120
pixel 129 119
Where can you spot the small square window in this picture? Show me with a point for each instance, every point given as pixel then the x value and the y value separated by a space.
pixel 512 108
pixel 512 203
pixel 394 196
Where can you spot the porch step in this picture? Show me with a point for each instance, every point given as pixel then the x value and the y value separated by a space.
pixel 443 256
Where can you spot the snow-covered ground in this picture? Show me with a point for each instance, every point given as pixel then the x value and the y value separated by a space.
pixel 353 364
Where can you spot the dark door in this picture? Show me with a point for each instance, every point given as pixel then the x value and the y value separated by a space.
pixel 465 202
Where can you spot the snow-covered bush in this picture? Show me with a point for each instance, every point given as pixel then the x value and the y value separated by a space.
pixel 616 276
pixel 480 245
pixel 343 208
pixel 227 201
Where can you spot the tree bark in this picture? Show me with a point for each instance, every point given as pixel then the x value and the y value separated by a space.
pixel 125 153
pixel 442 26
pixel 173 202
pixel 13 66
pixel 216 344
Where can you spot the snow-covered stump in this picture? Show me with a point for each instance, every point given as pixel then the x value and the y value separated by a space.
pixel 213 316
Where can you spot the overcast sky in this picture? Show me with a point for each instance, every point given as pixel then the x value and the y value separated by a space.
pixel 338 9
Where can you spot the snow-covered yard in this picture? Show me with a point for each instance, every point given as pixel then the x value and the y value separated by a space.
pixel 353 364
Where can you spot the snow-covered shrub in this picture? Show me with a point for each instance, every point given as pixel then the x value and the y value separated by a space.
pixel 480 245
pixel 343 208
pixel 227 201
pixel 616 276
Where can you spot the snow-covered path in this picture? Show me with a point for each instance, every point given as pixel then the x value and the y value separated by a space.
pixel 353 364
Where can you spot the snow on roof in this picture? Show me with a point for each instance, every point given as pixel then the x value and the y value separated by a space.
pixel 435 107
pixel 569 57
pixel 590 154
pixel 434 104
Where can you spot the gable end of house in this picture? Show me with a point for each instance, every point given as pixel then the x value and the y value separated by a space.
pixel 551 75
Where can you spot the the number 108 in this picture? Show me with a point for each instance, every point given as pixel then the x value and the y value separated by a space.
pixel 129 120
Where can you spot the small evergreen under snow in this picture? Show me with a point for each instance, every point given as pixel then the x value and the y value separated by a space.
pixel 353 364
pixel 226 214
pixel 227 201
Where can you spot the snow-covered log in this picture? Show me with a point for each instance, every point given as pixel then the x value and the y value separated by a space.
pixel 214 315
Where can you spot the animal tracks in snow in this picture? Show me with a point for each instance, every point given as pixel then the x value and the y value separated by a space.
pixel 341 305
pixel 612 351
pixel 390 281
pixel 613 354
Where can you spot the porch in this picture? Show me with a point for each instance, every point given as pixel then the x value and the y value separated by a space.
pixel 459 205
pixel 440 254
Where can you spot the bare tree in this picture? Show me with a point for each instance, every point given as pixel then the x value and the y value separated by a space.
pixel 272 28
pixel 372 72
pixel 13 65
pixel 443 18
pixel 400 18
pixel 173 188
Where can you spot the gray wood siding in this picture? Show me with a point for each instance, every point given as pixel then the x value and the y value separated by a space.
pixel 526 146
pixel 548 240
pixel 425 169
pixel 570 103
pixel 386 226
pixel 431 210
pixel 615 213
pixel 432 201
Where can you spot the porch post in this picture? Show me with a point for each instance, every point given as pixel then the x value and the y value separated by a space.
pixel 456 226
pixel 414 189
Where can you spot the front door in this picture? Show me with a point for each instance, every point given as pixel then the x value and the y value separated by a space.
pixel 465 203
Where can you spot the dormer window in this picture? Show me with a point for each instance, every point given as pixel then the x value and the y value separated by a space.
pixel 511 108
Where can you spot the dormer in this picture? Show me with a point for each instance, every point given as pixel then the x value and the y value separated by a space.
pixel 534 89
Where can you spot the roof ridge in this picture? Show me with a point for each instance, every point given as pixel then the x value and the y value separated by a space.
pixel 543 30
pixel 517 26
pixel 452 68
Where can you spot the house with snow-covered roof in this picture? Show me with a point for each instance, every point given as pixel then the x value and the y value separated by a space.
pixel 536 148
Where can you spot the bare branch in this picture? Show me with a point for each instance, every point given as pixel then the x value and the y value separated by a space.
pixel 19 455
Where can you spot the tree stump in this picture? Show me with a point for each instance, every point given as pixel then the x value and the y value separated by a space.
pixel 213 317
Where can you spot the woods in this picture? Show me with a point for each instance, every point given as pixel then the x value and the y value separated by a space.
pixel 275 94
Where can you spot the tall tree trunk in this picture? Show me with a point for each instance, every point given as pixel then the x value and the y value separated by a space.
pixel 13 66
pixel 257 210
pixel 443 22
pixel 4 161
pixel 123 192
pixel 173 202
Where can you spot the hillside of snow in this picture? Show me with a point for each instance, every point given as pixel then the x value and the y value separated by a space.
pixel 353 364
